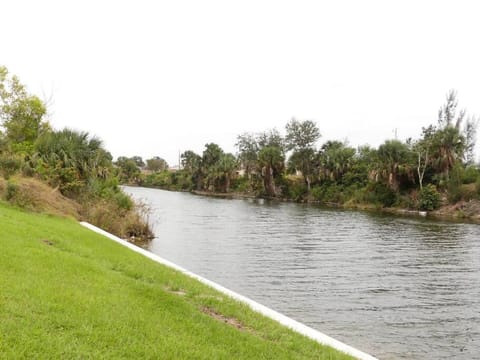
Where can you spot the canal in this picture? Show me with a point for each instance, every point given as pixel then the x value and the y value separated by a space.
pixel 394 287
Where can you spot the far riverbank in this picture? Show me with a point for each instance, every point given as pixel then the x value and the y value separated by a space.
pixel 462 211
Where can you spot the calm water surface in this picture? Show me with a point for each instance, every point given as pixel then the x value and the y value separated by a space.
pixel 397 288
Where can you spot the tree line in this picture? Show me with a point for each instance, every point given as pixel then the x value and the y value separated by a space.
pixel 436 167
pixel 419 173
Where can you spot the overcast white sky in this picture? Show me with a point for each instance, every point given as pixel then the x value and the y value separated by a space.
pixel 158 77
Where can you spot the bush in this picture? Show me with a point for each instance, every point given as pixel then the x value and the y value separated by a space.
pixel 297 191
pixel 241 184
pixel 329 193
pixel 28 170
pixel 11 191
pixel 9 165
pixel 378 193
pixel 107 215
pixel 470 175
pixel 461 192
pixel 429 198
pixel 161 180
pixel 123 201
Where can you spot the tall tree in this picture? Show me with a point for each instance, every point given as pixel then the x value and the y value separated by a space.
pixel 129 170
pixel 447 114
pixel 211 154
pixel 210 157
pixel 470 133
pixel 394 160
pixel 301 138
pixel 22 115
pixel 225 170
pixel 301 134
pixel 138 161
pixel 157 164
pixel 449 142
pixel 423 150
pixel 335 159
pixel 271 159
pixel 248 148
pixel 192 164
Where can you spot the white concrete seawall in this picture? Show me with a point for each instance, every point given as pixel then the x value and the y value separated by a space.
pixel 272 314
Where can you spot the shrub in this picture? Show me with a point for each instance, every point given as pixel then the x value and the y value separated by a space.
pixel 28 170
pixel 429 198
pixel 470 175
pixel 407 201
pixel 161 180
pixel 107 215
pixel 3 187
pixel 461 192
pixel 240 184
pixel 379 193
pixel 123 201
pixel 329 193
pixel 11 191
pixel 9 165
pixel 297 190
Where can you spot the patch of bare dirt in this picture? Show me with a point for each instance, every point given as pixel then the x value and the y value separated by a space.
pixel 179 292
pixel 225 319
pixel 462 209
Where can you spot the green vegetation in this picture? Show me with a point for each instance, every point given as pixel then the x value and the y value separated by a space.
pixel 73 163
pixel 429 198
pixel 70 293
pixel 421 174
pixel 434 170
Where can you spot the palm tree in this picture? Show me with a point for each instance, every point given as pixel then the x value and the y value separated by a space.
pixel 210 157
pixel 72 158
pixel 394 159
pixel 335 159
pixel 271 160
pixel 192 164
pixel 226 166
pixel 449 144
pixel 449 148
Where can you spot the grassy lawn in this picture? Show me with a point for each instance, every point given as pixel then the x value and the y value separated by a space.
pixel 66 292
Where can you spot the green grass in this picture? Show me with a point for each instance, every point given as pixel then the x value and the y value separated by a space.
pixel 69 293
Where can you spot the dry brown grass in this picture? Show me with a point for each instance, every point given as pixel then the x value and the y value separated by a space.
pixel 34 195
pixel 3 187
pixel 130 224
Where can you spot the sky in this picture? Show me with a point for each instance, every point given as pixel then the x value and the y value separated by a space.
pixel 156 78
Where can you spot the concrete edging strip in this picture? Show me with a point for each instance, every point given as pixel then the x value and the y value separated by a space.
pixel 272 314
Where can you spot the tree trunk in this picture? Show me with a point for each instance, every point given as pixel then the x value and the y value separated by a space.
pixel 227 183
pixel 307 181
pixel 268 181
pixel 421 169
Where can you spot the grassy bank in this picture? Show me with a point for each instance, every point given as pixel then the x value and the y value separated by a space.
pixel 69 293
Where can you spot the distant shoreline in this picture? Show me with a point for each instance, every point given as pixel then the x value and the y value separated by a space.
pixel 462 211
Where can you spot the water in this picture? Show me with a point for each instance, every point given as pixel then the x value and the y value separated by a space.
pixel 394 287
